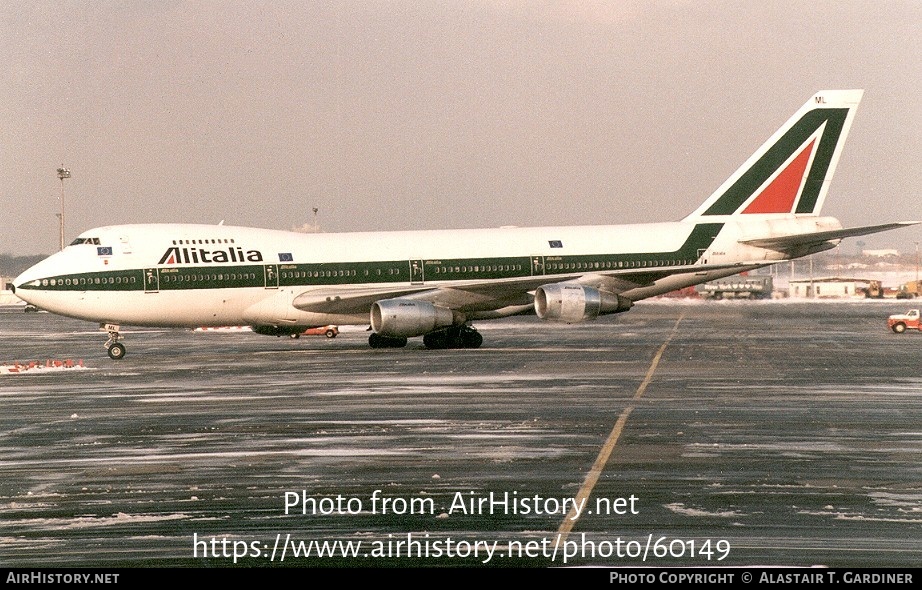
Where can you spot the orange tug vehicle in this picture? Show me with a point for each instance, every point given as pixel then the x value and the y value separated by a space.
pixel 328 331
pixel 900 322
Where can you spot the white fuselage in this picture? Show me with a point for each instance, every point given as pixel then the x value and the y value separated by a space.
pixel 212 275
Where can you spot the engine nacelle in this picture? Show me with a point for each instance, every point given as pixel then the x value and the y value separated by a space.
pixel 569 302
pixel 404 318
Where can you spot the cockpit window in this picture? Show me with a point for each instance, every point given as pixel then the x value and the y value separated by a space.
pixel 78 241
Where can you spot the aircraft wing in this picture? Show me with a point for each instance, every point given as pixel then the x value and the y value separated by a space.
pixel 785 243
pixel 348 300
pixel 490 294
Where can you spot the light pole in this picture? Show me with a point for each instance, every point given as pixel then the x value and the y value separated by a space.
pixel 917 269
pixel 62 174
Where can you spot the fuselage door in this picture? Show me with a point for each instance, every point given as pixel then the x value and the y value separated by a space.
pixel 416 272
pixel 537 266
pixel 272 276
pixel 702 260
pixel 151 280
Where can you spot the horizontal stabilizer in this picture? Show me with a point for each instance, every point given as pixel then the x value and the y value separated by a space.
pixel 783 243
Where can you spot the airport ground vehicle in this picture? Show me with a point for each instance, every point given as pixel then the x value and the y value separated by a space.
pixel 900 322
pixel 328 331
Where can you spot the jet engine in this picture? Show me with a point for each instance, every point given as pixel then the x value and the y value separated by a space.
pixel 404 318
pixel 570 302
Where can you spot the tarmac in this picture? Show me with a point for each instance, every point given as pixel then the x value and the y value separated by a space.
pixel 677 434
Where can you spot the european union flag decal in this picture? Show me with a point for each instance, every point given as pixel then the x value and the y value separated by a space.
pixel 285 257
pixel 555 243
pixel 104 250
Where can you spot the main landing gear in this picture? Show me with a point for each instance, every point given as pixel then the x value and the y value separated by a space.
pixel 453 337
pixel 115 348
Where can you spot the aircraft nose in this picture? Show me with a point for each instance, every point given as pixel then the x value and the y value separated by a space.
pixel 30 275
pixel 18 281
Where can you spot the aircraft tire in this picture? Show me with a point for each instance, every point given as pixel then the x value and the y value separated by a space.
pixel 436 340
pixel 470 338
pixel 443 339
pixel 453 337
pixel 116 351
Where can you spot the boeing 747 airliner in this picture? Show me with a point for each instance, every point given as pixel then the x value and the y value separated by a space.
pixel 434 283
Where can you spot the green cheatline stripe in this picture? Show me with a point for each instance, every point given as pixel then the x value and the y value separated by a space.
pixel 181 278
pixel 778 154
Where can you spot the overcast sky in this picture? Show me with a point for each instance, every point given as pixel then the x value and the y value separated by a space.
pixel 441 114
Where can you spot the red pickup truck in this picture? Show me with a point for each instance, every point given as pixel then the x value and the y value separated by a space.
pixel 901 321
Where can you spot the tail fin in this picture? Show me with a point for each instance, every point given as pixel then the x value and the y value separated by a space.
pixel 791 172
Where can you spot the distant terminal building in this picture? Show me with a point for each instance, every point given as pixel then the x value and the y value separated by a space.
pixel 886 253
pixel 737 287
pixel 835 288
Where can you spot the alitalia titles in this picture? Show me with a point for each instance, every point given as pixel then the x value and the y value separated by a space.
pixel 192 255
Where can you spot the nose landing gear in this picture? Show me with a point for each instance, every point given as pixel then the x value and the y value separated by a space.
pixel 114 348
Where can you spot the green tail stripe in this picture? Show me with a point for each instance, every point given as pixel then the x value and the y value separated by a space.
pixel 747 184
